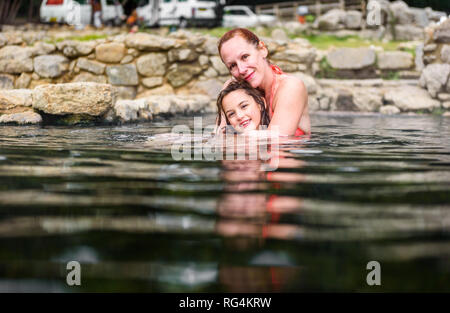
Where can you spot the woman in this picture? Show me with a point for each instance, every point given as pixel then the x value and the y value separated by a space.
pixel 286 96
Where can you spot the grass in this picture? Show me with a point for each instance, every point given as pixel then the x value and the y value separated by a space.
pixel 79 38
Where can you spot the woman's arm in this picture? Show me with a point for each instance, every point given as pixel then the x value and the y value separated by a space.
pixel 289 104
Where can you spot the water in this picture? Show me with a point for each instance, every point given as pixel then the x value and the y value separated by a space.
pixel 362 188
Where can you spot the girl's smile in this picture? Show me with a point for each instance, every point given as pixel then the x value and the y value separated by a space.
pixel 242 111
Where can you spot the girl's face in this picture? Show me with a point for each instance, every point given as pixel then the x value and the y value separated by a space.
pixel 241 110
pixel 244 60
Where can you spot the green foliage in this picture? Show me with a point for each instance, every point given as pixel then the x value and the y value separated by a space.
pixel 310 18
pixel 326 71
pixel 390 75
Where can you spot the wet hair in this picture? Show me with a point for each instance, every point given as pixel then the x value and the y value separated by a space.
pixel 249 90
pixel 243 32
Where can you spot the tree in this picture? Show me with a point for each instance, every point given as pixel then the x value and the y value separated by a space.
pixel 8 10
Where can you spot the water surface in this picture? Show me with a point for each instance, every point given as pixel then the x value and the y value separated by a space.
pixel 361 188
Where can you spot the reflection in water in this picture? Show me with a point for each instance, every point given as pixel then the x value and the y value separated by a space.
pixel 360 189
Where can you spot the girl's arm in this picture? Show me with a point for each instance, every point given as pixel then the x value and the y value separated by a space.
pixel 289 104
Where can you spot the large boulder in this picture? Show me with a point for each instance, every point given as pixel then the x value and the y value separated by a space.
pixel 22 118
pixel 6 81
pixel 353 19
pixel 394 60
pixel 122 75
pixel 218 65
pixel 367 99
pixel 74 98
pixel 91 66
pixel 180 75
pixel 111 52
pixel 331 20
pixel 42 48
pixel 409 32
pixel 152 64
pixel 304 56
pixel 351 58
pixel 50 66
pixel 411 98
pixel 434 77
pixel 445 54
pixel 16 60
pixel 148 42
pixel 73 49
pixel 442 33
pixel 15 100
pixel 210 46
pixel 184 55
pixel 401 12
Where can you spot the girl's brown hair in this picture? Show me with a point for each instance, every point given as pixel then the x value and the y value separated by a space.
pixel 254 93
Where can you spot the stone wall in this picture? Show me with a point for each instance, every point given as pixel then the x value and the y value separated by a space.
pixel 436 58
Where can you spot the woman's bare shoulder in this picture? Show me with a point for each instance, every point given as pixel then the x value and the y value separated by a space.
pixel 292 86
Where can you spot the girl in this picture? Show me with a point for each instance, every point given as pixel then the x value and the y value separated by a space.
pixel 286 97
pixel 242 107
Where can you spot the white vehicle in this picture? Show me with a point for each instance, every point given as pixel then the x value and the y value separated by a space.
pixel 242 16
pixel 177 12
pixel 76 12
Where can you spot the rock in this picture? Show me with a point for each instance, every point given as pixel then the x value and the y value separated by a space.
pixel 177 103
pixel 430 47
pixel 125 92
pixel 182 74
pixel 344 101
pixel 401 12
pixel 389 109
pixel 445 54
pixel 88 77
pixel 309 82
pixel 218 65
pixel 15 100
pixel 22 118
pixel 3 40
pixel 16 60
pixel 182 55
pixel 91 66
pixel 203 60
pixel 6 81
pixel 209 87
pixel 210 73
pixel 23 81
pixel 152 64
pixel 13 38
pixel 409 32
pixel 72 48
pixel 74 98
pixel 395 60
pixel 122 75
pixel 367 99
pixel 351 58
pixel 442 33
pixel 42 48
pixel 446 105
pixel 313 103
pixel 304 55
pixel 330 20
pixel 418 60
pixel 163 90
pixel 133 110
pixel 353 19
pixel 434 77
pixel 127 59
pixel 287 67
pixel 420 17
pixel 148 42
pixel 50 66
pixel 111 52
pixel 410 98
pixel 210 46
pixel 279 34
pixel 443 96
pixel 151 82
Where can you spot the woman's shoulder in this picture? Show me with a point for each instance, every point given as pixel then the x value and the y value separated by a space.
pixel 291 84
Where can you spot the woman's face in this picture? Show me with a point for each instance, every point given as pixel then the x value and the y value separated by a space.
pixel 241 110
pixel 244 60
